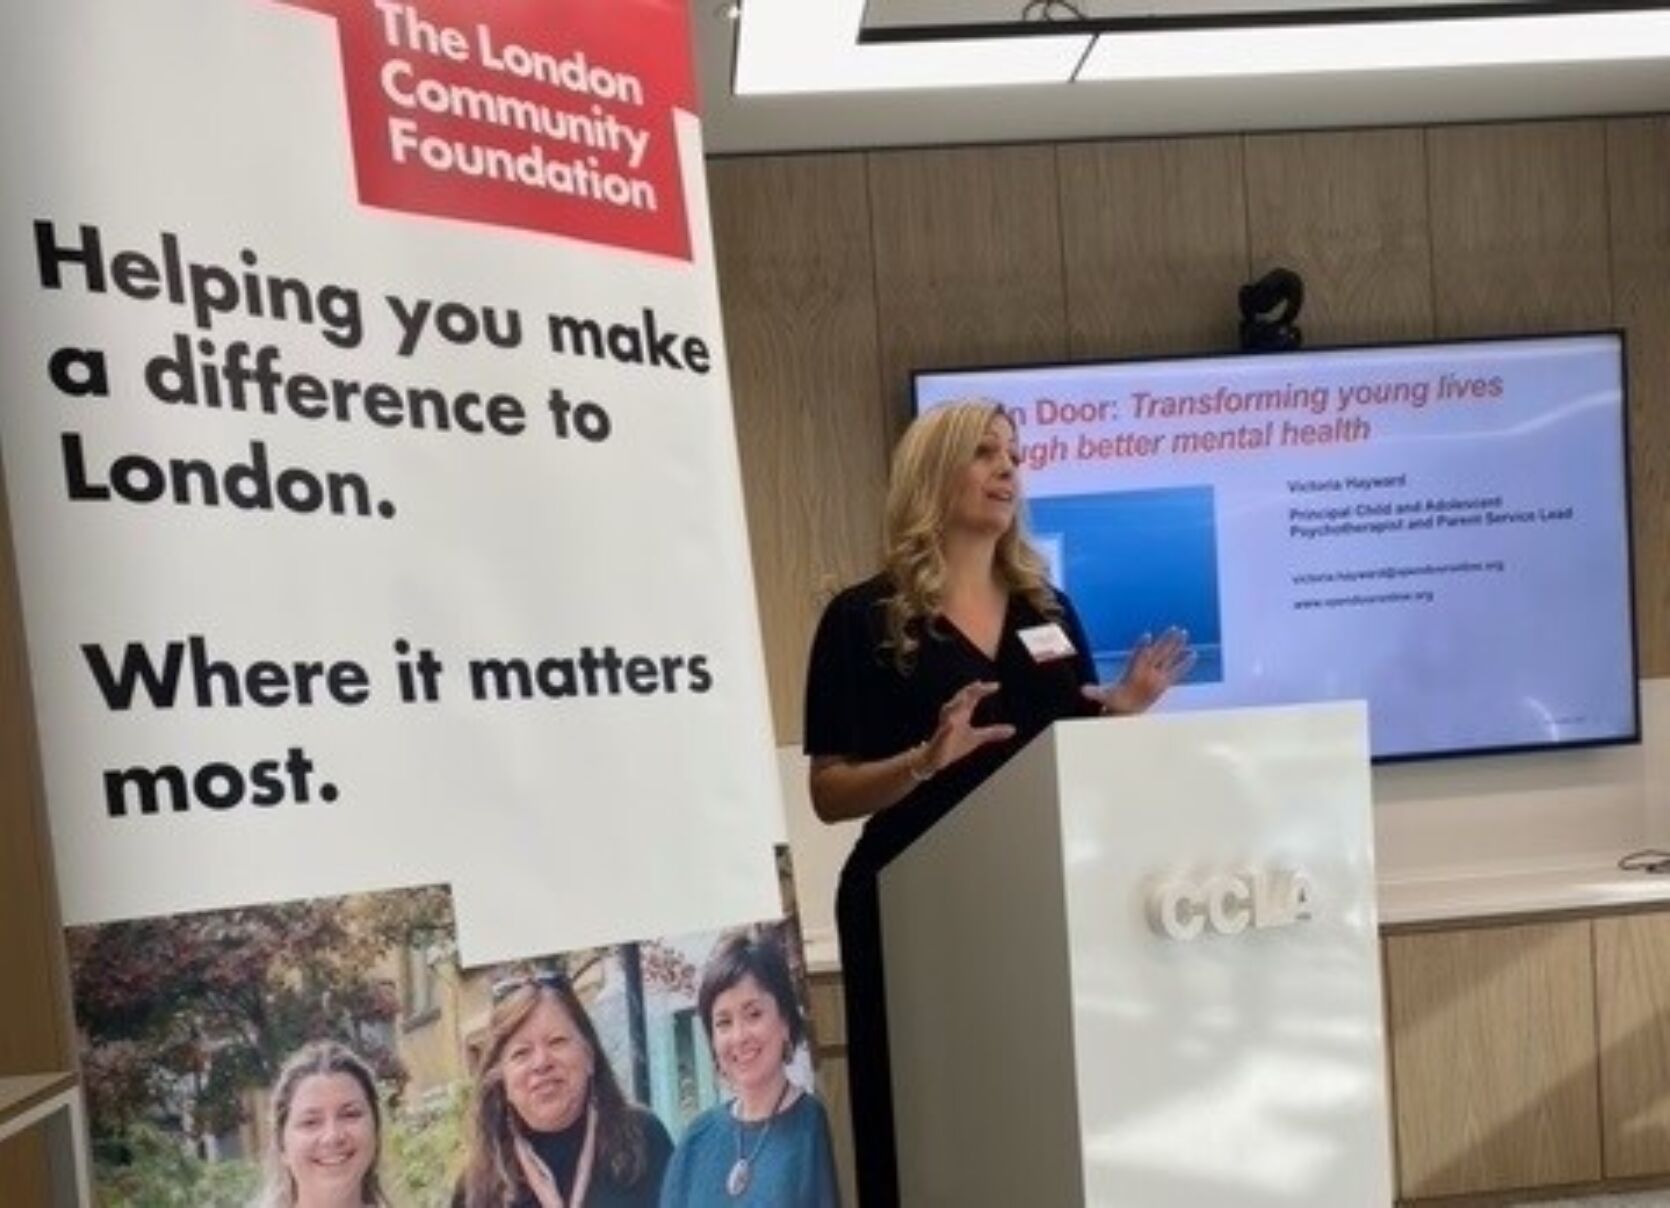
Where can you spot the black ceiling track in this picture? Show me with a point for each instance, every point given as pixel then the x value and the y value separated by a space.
pixel 1058 26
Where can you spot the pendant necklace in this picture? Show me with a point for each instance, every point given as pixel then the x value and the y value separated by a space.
pixel 742 1170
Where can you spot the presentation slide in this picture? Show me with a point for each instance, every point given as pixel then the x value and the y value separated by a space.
pixel 1442 530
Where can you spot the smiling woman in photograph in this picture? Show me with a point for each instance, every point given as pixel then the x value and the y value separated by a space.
pixel 326 1132
pixel 550 1126
pixel 769 1144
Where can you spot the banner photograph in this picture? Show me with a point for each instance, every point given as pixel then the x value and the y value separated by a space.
pixel 213 1043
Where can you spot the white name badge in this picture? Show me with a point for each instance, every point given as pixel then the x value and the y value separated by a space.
pixel 1046 643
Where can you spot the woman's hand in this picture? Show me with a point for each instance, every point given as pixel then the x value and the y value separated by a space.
pixel 844 789
pixel 1154 666
pixel 956 734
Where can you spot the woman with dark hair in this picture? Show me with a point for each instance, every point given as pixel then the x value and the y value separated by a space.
pixel 923 680
pixel 326 1130
pixel 550 1126
pixel 768 1146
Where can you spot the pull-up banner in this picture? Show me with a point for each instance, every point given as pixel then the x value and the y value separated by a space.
pixel 375 493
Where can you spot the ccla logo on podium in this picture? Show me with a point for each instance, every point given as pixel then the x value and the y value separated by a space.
pixel 1182 908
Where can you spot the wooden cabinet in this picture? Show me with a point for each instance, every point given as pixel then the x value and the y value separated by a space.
pixel 24 1169
pixel 35 1033
pixel 1492 1035
pixel 1531 1055
pixel 43 1141
pixel 1632 980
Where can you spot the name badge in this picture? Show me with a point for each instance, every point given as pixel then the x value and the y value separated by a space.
pixel 1046 643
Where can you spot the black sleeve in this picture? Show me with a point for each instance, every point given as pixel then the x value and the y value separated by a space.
pixel 1084 664
pixel 1082 660
pixel 833 693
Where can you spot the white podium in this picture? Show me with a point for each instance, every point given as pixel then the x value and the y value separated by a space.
pixel 1139 968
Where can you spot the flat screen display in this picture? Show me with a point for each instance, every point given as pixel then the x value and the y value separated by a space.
pixel 1439 529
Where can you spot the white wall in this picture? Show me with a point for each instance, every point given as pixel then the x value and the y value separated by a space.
pixel 1463 816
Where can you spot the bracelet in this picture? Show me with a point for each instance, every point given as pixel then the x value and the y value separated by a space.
pixel 913 765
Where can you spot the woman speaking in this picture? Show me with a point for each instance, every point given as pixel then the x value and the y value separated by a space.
pixel 923 680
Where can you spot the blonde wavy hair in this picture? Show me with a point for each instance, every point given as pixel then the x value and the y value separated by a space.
pixel 927 467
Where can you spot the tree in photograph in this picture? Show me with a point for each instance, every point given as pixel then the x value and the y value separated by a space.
pixel 181 1016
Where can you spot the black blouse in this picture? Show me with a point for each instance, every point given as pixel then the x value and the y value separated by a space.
pixel 860 706
pixel 560 1151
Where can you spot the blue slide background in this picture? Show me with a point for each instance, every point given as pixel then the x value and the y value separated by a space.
pixel 1136 562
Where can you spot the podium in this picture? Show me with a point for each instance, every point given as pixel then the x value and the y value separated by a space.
pixel 1139 968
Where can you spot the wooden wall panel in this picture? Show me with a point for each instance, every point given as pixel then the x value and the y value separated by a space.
pixel 829 1015
pixel 1493 1049
pixel 34 1020
pixel 837 1101
pixel 1348 213
pixel 830 1036
pixel 1632 974
pixel 1155 238
pixel 1519 221
pixel 968 260
pixel 795 272
pixel 1638 177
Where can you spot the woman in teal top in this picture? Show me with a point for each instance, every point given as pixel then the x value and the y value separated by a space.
pixel 768 1146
